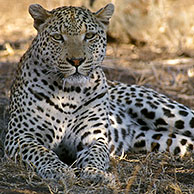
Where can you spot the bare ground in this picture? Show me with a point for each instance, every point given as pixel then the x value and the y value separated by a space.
pixel 167 72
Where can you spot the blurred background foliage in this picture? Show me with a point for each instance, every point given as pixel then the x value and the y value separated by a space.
pixel 167 24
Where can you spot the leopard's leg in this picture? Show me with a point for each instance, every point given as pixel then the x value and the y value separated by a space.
pixel 40 157
pixel 94 161
pixel 151 140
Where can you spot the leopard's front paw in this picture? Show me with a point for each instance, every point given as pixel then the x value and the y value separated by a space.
pixel 92 175
pixel 65 176
pixel 60 173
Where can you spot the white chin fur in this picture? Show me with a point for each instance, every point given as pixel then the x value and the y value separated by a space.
pixel 75 81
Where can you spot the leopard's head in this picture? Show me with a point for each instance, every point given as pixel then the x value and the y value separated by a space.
pixel 71 41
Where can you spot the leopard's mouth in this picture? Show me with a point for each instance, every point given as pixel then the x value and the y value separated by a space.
pixel 75 72
pixel 77 75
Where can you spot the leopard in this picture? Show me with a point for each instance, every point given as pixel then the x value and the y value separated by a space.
pixel 67 118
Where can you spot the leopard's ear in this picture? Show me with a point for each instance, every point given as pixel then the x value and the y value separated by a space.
pixel 105 13
pixel 39 14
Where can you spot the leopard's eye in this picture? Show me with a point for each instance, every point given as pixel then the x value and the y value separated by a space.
pixel 57 36
pixel 90 35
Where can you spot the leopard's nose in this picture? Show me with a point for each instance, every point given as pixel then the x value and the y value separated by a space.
pixel 75 61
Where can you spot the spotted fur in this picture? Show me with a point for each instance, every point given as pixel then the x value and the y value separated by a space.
pixel 63 111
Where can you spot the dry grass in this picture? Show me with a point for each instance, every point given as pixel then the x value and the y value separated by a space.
pixel 136 173
pixel 166 71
